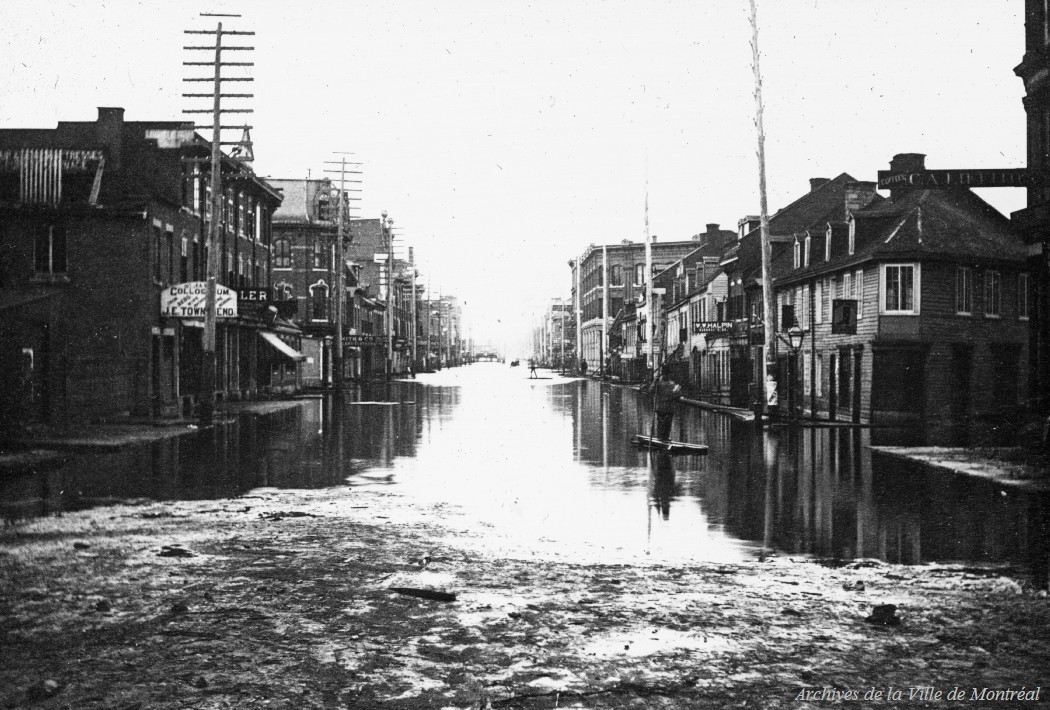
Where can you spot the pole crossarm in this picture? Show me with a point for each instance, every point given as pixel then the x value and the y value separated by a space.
pixel 214 32
pixel 221 78
pixel 230 128
pixel 224 96
pixel 223 110
pixel 221 64
pixel 225 49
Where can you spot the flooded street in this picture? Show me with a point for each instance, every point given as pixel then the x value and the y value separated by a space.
pixel 548 463
pixel 476 539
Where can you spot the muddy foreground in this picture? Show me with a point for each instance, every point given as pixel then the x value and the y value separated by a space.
pixel 288 599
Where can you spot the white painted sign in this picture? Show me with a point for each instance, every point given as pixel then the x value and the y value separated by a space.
pixel 187 301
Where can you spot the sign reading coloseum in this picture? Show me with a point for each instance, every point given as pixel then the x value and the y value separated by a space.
pixel 187 301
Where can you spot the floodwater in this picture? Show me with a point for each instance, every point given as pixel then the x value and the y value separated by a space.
pixel 551 461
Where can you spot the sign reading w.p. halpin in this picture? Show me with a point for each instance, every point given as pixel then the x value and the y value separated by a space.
pixel 934 179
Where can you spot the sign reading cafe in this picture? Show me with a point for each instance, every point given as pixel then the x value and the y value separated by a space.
pixel 187 301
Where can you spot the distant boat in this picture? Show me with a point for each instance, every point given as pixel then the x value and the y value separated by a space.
pixel 514 363
pixel 671 447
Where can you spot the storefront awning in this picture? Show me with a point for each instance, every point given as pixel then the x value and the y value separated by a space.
pixel 281 346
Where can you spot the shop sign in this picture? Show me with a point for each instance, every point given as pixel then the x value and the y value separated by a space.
pixel 926 179
pixel 358 339
pixel 187 301
pixel 713 327
pixel 253 295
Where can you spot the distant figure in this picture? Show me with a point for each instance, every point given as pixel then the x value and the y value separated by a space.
pixel 583 368
pixel 412 370
pixel 666 392
pixel 532 369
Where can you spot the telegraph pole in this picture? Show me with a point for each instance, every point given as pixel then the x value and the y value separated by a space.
pixel 770 355
pixel 338 367
pixel 388 223
pixel 415 322
pixel 208 363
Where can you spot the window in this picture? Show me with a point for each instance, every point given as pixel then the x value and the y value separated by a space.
pixel 319 301
pixel 184 262
pixel 171 255
pixel 1023 312
pixel 320 252
pixel 601 277
pixel 847 285
pixel 639 274
pixel 283 291
pixel 809 244
pixel 798 253
pixel 852 235
pixel 49 249
pixel 993 294
pixel 858 288
pixel 900 289
pixel 806 317
pixel 818 302
pixel 807 380
pixel 963 291
pixel 818 375
pixel 827 244
pixel 616 277
pixel 282 254
pixel 157 249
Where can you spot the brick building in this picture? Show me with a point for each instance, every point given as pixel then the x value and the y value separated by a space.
pixel 96 219
pixel 604 279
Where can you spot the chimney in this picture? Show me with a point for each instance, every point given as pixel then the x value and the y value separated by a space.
pixel 904 163
pixel 815 183
pixel 859 195
pixel 653 239
pixel 109 130
pixel 908 163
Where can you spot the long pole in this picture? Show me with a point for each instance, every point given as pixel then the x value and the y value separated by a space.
pixel 415 322
pixel 605 300
pixel 770 355
pixel 649 329
pixel 338 369
pixel 208 374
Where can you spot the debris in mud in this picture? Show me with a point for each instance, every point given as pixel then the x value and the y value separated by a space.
pixel 432 594
pixel 175 551
pixel 884 615
pixel 103 606
pixel 857 586
pixel 41 691
pixel 80 546
pixel 282 514
pixel 179 608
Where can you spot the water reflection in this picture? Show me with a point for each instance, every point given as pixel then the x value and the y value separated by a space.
pixel 553 461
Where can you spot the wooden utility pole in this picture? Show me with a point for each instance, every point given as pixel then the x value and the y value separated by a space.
pixel 388 224
pixel 415 297
pixel 338 361
pixel 208 364
pixel 770 340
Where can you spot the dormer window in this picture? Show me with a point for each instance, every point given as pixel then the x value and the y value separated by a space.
pixel 852 235
pixel 827 244
pixel 809 243
pixel 798 253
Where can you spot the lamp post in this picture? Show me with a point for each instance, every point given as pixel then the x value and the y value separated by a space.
pixel 795 337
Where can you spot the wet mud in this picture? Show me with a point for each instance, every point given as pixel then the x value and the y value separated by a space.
pixel 295 599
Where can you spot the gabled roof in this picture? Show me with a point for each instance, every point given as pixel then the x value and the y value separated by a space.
pixel 954 225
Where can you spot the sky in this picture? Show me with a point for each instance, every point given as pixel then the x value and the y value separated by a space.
pixel 504 137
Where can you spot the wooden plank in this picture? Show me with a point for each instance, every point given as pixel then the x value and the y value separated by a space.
pixel 683 447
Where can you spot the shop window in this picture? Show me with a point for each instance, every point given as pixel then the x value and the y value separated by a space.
pixel 184 261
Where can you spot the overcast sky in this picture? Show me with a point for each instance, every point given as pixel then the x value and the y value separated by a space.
pixel 505 136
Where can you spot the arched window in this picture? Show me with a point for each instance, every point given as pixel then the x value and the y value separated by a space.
pixel 282 254
pixel 319 301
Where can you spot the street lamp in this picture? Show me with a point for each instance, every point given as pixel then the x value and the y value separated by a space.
pixel 795 337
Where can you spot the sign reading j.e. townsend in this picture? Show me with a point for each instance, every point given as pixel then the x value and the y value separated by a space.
pixel 187 301
pixel 926 179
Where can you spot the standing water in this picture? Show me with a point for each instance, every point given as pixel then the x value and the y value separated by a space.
pixel 549 462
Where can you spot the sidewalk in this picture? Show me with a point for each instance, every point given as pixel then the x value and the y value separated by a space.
pixel 1008 466
pixel 44 448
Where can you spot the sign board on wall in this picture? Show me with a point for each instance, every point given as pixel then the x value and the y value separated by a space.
pixel 187 301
